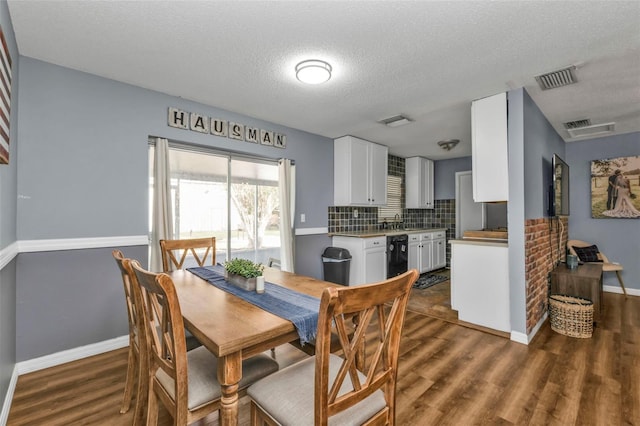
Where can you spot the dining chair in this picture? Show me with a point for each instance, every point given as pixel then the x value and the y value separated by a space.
pixel 137 361
pixel 176 252
pixel 185 382
pixel 589 253
pixel 358 387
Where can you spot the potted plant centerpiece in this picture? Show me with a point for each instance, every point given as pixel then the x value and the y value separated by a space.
pixel 245 274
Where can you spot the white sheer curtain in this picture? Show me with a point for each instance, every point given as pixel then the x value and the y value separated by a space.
pixel 287 189
pixel 162 218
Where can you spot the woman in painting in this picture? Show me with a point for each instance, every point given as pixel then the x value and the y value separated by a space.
pixel 624 206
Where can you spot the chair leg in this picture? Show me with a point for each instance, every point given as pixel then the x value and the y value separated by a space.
pixel 624 290
pixel 130 380
pixel 152 406
pixel 142 392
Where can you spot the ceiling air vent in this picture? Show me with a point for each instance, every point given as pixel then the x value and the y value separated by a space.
pixel 577 123
pixel 594 130
pixel 396 120
pixel 556 79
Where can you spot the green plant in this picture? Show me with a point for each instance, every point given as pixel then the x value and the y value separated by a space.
pixel 244 268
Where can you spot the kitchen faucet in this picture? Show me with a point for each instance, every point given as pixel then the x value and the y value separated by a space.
pixel 397 220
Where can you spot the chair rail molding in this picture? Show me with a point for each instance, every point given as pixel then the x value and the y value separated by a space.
pixel 7 254
pixel 27 246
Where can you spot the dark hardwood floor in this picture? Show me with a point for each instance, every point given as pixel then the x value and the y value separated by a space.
pixel 448 375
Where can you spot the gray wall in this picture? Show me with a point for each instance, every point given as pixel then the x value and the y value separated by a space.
pixel 8 209
pixel 68 299
pixel 541 141
pixel 532 143
pixel 617 238
pixel 83 173
pixel 515 210
pixel 444 176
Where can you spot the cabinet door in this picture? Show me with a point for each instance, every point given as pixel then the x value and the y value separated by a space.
pixel 378 159
pixel 427 181
pixel 419 183
pixel 489 155
pixel 413 262
pixel 375 264
pixel 425 256
pixel 359 171
pixel 439 253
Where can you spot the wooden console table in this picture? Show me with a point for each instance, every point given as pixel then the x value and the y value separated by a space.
pixel 584 282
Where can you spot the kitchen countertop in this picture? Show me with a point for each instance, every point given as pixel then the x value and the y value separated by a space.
pixel 384 232
pixel 480 242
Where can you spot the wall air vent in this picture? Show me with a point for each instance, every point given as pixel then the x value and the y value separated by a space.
pixel 555 79
pixel 594 130
pixel 577 123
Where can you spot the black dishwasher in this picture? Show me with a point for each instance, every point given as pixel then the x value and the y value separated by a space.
pixel 397 254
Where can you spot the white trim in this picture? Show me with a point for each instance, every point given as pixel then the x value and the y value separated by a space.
pixel 26 246
pixel 516 336
pixel 69 355
pixel 618 289
pixel 311 231
pixel 7 254
pixel 6 406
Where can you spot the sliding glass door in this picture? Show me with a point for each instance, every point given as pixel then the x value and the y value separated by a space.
pixel 235 199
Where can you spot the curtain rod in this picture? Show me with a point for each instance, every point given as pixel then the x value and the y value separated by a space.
pixel 211 150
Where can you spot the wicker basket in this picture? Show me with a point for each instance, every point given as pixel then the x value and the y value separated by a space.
pixel 571 316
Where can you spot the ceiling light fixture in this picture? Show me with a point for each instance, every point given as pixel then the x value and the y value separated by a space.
pixel 313 71
pixel 449 144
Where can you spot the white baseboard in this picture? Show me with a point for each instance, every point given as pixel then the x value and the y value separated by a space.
pixel 618 289
pixel 518 337
pixel 6 406
pixel 69 355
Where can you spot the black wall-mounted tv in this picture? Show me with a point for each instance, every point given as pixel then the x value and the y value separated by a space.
pixel 559 189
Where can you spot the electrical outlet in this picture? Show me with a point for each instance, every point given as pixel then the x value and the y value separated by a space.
pixel 303 218
pixel 355 213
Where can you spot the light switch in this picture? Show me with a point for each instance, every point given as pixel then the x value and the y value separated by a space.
pixel 303 218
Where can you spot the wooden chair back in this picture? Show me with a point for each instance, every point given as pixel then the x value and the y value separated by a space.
pixel 373 348
pixel 137 360
pixel 165 334
pixel 175 252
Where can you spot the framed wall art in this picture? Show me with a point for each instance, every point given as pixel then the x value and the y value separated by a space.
pixel 5 98
pixel 615 188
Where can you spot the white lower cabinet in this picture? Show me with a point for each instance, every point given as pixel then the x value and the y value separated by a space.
pixel 439 250
pixel 420 252
pixel 427 251
pixel 368 258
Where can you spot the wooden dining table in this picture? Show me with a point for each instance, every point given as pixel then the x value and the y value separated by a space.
pixel 234 329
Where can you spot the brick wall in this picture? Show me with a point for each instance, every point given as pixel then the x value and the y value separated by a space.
pixel 542 253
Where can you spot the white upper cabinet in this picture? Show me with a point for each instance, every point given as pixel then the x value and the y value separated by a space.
pixel 419 183
pixel 359 172
pixel 489 154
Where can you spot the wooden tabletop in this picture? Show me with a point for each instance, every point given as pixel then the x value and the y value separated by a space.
pixel 225 323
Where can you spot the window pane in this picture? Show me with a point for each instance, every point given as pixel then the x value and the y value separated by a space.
pixel 254 210
pixel 244 223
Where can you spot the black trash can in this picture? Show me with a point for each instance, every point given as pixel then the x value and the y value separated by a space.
pixel 336 262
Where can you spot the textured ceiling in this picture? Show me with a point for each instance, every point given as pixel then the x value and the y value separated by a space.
pixel 427 60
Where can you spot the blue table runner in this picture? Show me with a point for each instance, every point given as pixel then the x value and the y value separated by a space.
pixel 301 309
